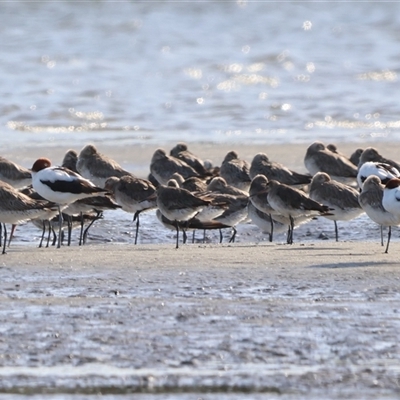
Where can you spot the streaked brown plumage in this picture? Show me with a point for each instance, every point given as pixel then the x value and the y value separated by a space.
pixel 98 167
pixel 292 203
pixel 134 195
pixel 181 152
pixel 273 170
pixel 14 174
pixel 341 199
pixel 320 159
pixel 162 167
pixel 235 171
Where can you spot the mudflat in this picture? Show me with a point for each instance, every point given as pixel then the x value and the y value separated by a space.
pixel 315 320
pixel 302 320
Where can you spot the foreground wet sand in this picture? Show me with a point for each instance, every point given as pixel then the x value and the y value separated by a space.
pixel 316 320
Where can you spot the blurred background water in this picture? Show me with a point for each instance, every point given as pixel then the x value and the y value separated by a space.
pixel 212 71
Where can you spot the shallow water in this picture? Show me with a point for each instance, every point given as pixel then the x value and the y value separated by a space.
pixel 240 71
pixel 118 227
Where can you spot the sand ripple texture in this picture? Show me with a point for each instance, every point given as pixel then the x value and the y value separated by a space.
pixel 210 322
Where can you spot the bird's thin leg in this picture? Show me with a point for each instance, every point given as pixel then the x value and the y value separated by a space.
pixel 53 243
pixel 382 235
pixel 49 234
pixel 85 234
pixel 60 222
pixel 389 236
pixel 43 232
pixel 220 235
pixel 291 228
pixel 184 239
pixel 232 239
pixel 177 234
pixel 336 231
pixel 271 235
pixel 137 225
pixel 69 224
pixel 5 239
pixel 13 227
pixel 288 235
pixel 1 227
pixel 81 232
pixel 194 235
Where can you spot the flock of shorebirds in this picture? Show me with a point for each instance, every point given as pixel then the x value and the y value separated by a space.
pixel 189 193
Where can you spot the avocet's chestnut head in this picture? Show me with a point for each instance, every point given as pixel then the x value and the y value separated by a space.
pixel 393 183
pixel 40 163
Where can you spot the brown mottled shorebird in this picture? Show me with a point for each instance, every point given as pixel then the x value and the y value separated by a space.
pixel 181 151
pixel 259 198
pixel 355 156
pixel 193 184
pixel 98 167
pixel 87 207
pixel 179 205
pixel 235 212
pixel 273 170
pixel 291 203
pixel 219 185
pixel 162 167
pixel 192 224
pixel 263 221
pixel 370 199
pixel 14 174
pixel 236 171
pixel 341 199
pixel 70 160
pixel 16 207
pixel 371 154
pixel 237 200
pixel 134 195
pixel 320 159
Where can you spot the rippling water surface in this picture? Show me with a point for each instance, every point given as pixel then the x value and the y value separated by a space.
pixel 203 71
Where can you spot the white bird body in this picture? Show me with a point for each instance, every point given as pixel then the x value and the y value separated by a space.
pixel 61 186
pixel 383 171
pixel 391 196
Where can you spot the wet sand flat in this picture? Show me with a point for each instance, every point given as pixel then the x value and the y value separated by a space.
pixel 303 320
